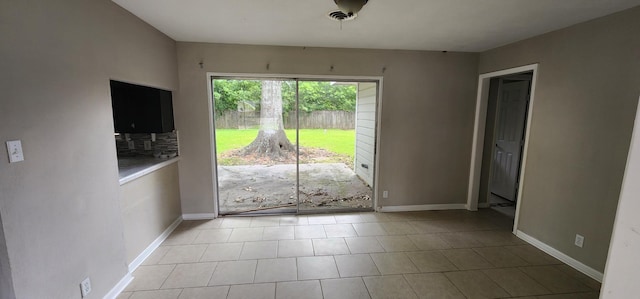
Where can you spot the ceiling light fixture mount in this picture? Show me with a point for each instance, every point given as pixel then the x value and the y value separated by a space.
pixel 350 7
pixel 338 15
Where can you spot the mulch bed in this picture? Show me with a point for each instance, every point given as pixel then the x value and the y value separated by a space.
pixel 307 156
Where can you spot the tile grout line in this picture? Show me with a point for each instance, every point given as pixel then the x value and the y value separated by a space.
pixel 386 250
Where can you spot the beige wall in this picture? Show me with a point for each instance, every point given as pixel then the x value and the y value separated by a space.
pixel 149 204
pixel 60 207
pixel 6 282
pixel 585 102
pixel 427 114
pixel 623 265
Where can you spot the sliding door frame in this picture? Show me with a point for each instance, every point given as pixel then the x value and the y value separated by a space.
pixel 210 76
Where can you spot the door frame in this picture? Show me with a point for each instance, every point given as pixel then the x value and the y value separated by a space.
pixel 479 132
pixel 298 77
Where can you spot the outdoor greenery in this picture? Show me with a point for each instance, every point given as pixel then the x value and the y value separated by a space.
pixel 314 95
pixel 227 93
pixel 340 142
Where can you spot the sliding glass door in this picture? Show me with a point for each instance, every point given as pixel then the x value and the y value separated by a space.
pixel 328 121
pixel 256 157
pixel 286 146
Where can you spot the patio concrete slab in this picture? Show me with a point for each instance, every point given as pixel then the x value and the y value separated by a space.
pixel 261 187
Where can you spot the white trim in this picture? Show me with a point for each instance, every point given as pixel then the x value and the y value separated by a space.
pixel 119 287
pixel 209 75
pixel 477 144
pixel 124 282
pixel 619 236
pixel 148 170
pixel 593 273
pixel 376 155
pixel 199 216
pixel 294 76
pixel 212 144
pixel 153 246
pixel 422 208
pixel 478 136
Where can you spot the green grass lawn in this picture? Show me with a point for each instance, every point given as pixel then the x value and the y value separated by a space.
pixel 338 141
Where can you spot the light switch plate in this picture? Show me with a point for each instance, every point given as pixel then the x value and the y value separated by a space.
pixel 579 240
pixel 85 287
pixel 14 148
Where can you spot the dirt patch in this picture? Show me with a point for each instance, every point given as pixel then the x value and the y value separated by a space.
pixel 322 185
pixel 307 156
pixel 321 198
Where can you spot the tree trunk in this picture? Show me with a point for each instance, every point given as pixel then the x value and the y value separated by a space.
pixel 271 140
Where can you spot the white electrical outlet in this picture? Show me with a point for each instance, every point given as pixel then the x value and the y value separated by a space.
pixel 85 287
pixel 385 194
pixel 147 145
pixel 131 144
pixel 579 240
pixel 14 148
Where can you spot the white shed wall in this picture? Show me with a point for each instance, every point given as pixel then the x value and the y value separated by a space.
pixel 365 131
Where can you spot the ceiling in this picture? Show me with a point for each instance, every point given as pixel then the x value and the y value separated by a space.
pixel 451 25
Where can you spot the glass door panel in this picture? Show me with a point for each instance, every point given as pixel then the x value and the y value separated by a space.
pixel 255 145
pixel 336 122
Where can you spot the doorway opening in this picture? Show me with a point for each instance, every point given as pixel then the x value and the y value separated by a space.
pixel 504 139
pixel 501 136
pixel 293 145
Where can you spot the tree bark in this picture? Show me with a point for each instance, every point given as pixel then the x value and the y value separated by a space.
pixel 271 140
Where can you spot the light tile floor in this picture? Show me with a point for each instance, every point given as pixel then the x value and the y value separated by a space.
pixel 435 254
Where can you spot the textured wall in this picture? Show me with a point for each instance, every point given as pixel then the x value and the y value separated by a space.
pixel 428 105
pixel 6 282
pixel 61 207
pixel 150 204
pixel 585 102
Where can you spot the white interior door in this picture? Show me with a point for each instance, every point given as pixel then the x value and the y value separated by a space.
pixel 510 122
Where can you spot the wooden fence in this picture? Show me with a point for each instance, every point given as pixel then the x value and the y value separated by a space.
pixel 344 120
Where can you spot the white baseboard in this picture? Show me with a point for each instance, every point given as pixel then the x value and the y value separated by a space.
pixel 153 246
pixel 593 273
pixel 422 208
pixel 124 282
pixel 201 216
pixel 119 287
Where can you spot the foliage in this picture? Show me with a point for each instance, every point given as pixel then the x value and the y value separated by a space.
pixel 322 95
pixel 227 93
pixel 314 95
